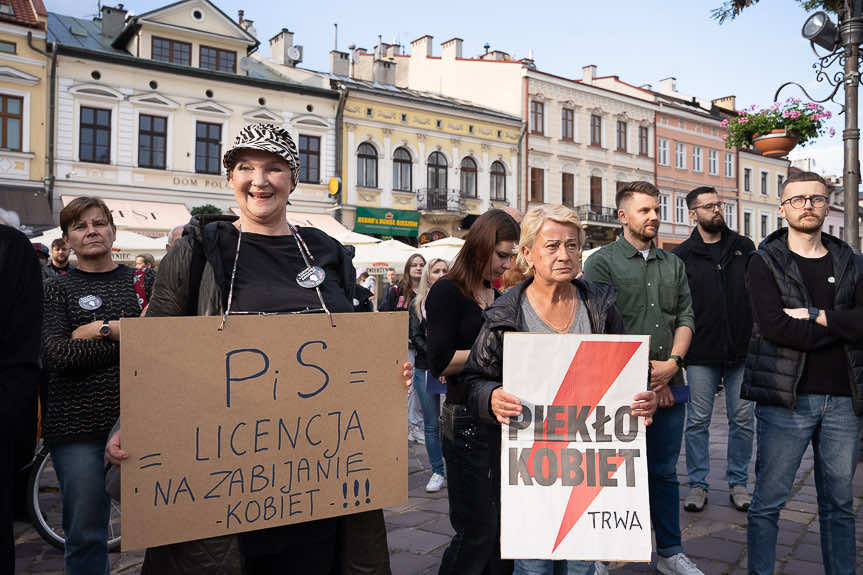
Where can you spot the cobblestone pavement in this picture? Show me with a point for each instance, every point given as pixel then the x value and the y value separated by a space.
pixel 419 530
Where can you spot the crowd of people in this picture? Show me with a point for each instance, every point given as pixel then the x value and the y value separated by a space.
pixel 779 328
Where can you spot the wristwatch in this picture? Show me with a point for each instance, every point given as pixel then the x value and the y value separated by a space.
pixel 813 313
pixel 105 330
pixel 677 359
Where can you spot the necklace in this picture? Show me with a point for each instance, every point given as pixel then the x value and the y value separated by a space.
pixel 568 323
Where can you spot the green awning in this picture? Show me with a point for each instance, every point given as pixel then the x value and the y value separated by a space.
pixel 387 222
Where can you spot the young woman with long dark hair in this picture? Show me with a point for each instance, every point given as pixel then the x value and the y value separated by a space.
pixel 398 297
pixel 454 317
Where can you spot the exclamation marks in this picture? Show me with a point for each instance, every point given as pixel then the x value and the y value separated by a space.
pixel 357 500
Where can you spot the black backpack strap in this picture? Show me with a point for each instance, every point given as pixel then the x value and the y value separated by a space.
pixel 196 272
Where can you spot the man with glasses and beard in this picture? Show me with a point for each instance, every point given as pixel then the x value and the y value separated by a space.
pixel 804 371
pixel 715 259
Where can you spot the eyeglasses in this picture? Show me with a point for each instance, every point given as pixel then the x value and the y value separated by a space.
pixel 797 202
pixel 710 207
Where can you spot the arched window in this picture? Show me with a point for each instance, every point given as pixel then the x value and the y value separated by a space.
pixel 498 182
pixel 402 170
pixel 437 171
pixel 367 166
pixel 468 178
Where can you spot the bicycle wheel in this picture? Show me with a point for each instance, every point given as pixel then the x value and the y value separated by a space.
pixel 44 504
pixel 46 508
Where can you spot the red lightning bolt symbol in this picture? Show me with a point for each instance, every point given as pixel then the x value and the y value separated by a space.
pixel 596 365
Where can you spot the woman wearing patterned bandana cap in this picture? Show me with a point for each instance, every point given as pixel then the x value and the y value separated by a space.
pixel 253 264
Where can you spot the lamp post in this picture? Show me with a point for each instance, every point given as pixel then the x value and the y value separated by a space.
pixel 843 44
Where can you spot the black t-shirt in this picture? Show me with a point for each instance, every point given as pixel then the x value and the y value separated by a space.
pixel 453 322
pixel 267 269
pixel 715 251
pixel 826 369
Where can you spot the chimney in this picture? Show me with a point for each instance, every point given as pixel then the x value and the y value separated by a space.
pixel 588 73
pixel 451 49
pixel 668 85
pixel 393 50
pixel 726 103
pixel 422 47
pixel 279 46
pixel 495 55
pixel 113 20
pixel 340 63
pixel 384 72
pixel 240 14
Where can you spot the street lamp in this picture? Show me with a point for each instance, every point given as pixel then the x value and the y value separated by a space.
pixel 843 44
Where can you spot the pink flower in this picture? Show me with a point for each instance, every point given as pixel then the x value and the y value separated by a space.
pixel 794 114
pixel 742 120
pixel 724 137
pixel 832 131
pixel 752 107
pixel 812 106
pixel 724 122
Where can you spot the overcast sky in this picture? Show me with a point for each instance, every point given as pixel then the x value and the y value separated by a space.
pixel 641 41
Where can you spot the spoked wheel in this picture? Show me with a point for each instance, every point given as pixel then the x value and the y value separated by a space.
pixel 46 508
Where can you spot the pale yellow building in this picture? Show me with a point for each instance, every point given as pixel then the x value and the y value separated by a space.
pixel 146 106
pixel 421 152
pixel 23 112
pixel 759 182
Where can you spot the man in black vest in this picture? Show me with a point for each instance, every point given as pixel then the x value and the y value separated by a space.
pixel 715 259
pixel 805 372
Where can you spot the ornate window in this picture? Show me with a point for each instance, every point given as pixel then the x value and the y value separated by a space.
pixel 402 166
pixel 437 166
pixel 95 135
pixel 498 182
pixel 367 166
pixel 468 178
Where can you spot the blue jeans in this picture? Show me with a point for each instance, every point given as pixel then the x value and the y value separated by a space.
pixel 430 404
pixel 828 421
pixel 550 567
pixel 664 437
pixel 80 468
pixel 703 382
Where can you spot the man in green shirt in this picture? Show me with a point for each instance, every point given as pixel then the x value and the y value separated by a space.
pixel 653 297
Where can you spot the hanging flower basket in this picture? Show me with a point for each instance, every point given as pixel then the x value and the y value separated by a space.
pixel 776 144
pixel 774 131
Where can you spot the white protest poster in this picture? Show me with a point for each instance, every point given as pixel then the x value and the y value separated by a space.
pixel 574 467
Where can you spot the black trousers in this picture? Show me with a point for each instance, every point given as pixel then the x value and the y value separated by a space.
pixel 472 451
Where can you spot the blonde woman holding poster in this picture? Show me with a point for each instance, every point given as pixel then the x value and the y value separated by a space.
pixel 550 300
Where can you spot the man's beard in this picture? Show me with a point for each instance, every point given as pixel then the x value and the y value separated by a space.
pixel 60 263
pixel 643 235
pixel 807 225
pixel 713 226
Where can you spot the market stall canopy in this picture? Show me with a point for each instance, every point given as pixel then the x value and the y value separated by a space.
pixel 153 219
pixel 389 253
pixel 449 242
pixel 126 246
pixel 444 248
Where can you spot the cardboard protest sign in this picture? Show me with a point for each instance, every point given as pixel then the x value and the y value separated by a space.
pixel 273 420
pixel 574 466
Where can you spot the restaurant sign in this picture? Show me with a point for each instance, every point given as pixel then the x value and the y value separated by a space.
pixel 387 222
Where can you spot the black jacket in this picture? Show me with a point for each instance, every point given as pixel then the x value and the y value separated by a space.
pixel 773 371
pixel 417 338
pixel 723 317
pixel 483 372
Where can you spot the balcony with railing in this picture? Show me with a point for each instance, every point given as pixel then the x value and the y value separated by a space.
pixel 439 200
pixel 592 214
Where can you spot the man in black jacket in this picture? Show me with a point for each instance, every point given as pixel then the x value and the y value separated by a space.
pixel 805 372
pixel 715 259
pixel 21 318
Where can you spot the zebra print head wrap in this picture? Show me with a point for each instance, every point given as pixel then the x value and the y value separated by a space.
pixel 268 138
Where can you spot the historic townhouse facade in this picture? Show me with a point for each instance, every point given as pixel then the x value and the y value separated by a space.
pixel 760 181
pixel 437 157
pixel 580 139
pixel 147 104
pixel 690 152
pixel 24 112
